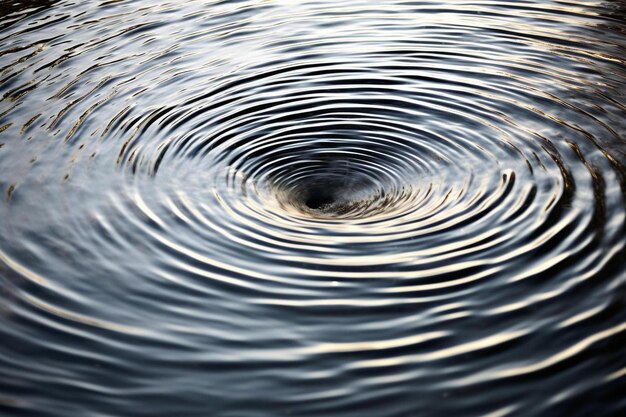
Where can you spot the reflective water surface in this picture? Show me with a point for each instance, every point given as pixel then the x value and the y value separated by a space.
pixel 313 208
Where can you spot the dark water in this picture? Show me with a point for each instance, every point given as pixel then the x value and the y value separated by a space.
pixel 276 208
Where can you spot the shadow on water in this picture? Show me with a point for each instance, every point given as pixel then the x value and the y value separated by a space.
pixel 12 12
pixel 616 10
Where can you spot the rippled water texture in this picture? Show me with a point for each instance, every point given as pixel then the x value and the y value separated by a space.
pixel 272 208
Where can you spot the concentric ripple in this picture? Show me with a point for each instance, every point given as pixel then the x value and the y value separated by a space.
pixel 263 208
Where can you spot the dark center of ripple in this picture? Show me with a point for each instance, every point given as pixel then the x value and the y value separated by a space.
pixel 320 199
pixel 331 195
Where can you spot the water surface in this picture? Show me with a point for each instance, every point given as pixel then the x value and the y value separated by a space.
pixel 316 208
